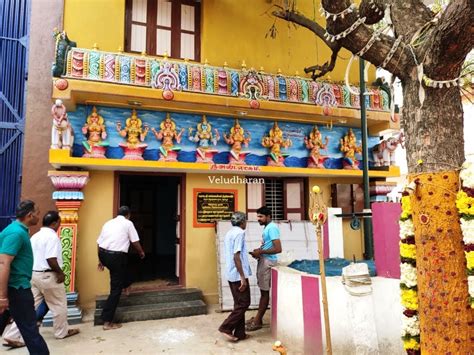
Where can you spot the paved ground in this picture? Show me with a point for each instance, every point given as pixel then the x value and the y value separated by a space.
pixel 190 335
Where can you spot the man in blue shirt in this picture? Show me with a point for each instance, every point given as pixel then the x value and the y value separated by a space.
pixel 237 273
pixel 16 267
pixel 266 255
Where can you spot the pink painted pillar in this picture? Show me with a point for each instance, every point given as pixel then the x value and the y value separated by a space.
pixel 385 216
pixel 313 335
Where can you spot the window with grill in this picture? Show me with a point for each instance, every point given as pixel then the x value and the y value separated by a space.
pixel 164 26
pixel 284 196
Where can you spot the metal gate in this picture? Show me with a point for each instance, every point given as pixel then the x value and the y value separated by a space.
pixel 14 38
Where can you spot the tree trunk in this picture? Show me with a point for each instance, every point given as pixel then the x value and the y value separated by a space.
pixel 435 150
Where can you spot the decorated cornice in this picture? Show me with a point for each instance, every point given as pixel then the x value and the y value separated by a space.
pixel 171 76
pixel 68 184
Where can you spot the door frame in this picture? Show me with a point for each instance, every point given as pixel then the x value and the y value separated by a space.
pixel 182 213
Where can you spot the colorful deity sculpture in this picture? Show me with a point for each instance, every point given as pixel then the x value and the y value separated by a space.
pixel 62 135
pixel 204 137
pixel 350 148
pixel 166 134
pixel 275 142
pixel 236 138
pixel 95 144
pixel 314 142
pixel 134 135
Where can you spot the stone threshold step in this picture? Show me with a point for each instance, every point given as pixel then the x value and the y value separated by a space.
pixel 156 311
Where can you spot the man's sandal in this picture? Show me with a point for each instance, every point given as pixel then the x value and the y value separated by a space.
pixel 14 344
pixel 112 326
pixel 71 332
pixel 253 327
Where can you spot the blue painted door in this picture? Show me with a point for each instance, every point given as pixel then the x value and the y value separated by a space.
pixel 14 39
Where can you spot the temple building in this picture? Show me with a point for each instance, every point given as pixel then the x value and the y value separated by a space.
pixel 186 111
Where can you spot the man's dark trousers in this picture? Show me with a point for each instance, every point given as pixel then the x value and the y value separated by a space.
pixel 22 309
pixel 116 262
pixel 235 322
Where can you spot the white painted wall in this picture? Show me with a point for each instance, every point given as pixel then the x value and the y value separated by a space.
pixel 381 310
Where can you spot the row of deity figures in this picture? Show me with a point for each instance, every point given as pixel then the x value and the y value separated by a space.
pixel 135 131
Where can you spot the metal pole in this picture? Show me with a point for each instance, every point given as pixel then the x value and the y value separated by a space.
pixel 368 241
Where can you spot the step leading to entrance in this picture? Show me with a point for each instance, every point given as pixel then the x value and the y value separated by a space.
pixel 155 305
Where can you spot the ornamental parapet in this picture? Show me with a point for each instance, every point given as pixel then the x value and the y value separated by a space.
pixel 171 76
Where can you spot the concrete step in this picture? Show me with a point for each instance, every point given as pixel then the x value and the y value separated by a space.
pixel 154 297
pixel 159 310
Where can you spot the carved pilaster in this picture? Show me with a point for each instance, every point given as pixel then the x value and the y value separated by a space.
pixel 68 196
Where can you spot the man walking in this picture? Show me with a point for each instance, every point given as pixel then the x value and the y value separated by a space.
pixel 16 265
pixel 47 283
pixel 237 273
pixel 113 244
pixel 266 255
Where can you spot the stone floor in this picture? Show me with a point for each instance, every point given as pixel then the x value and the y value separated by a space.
pixel 189 335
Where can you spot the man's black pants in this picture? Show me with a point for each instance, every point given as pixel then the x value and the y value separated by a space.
pixel 116 262
pixel 235 322
pixel 22 310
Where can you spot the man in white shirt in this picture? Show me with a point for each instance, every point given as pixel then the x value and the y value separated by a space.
pixel 47 282
pixel 113 244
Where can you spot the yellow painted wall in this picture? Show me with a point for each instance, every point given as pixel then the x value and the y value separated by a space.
pixel 96 209
pixel 231 31
pixel 95 21
pixel 353 240
pixel 201 257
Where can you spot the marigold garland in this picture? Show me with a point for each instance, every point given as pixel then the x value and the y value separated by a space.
pixel 406 208
pixel 411 343
pixel 408 250
pixel 465 206
pixel 408 280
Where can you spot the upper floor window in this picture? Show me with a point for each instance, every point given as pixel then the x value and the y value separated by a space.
pixel 163 26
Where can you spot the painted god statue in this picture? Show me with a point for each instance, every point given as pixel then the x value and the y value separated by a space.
pixel 95 144
pixel 276 142
pixel 236 138
pixel 134 134
pixel 62 135
pixel 314 142
pixel 205 137
pixel 350 148
pixel 166 134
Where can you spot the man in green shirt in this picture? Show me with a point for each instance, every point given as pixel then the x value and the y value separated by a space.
pixel 16 265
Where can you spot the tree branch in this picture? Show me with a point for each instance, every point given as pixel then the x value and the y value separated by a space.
pixel 408 16
pixel 447 46
pixel 311 25
pixel 325 68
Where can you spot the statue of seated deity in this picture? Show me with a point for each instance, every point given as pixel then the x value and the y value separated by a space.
pixel 134 135
pixel 314 142
pixel 236 138
pixel 205 137
pixel 350 148
pixel 275 142
pixel 166 134
pixel 95 144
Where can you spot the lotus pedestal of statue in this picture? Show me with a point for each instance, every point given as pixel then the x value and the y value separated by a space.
pixel 205 156
pixel 133 153
pixel 317 165
pixel 350 164
pixel 169 155
pixel 237 158
pixel 273 160
pixel 95 151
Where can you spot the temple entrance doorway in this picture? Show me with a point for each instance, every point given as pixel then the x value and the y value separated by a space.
pixel 154 201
